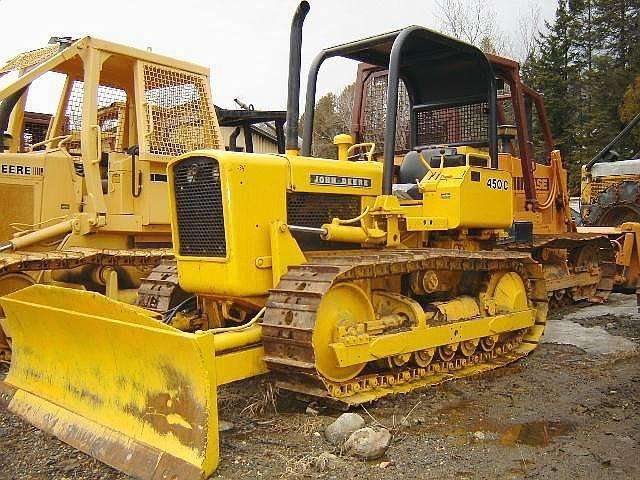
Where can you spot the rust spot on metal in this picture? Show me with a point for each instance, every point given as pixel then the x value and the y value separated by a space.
pixel 175 411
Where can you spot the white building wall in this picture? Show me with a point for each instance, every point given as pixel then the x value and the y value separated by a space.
pixel 261 144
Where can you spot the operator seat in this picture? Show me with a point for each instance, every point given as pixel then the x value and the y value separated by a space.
pixel 411 171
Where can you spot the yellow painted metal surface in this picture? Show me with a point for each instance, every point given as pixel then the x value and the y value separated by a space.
pixel 109 101
pixel 343 142
pixel 239 338
pixel 307 174
pixel 125 382
pixel 626 237
pixel 552 214
pixel 592 187
pixel 248 220
pixel 458 194
pixel 240 364
pixel 256 257
pixel 430 337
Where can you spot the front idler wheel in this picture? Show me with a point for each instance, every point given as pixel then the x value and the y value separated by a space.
pixel 342 309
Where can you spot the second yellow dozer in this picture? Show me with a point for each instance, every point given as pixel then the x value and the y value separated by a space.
pixel 319 271
pixel 83 194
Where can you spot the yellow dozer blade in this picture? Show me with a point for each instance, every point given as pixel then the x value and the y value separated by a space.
pixel 112 381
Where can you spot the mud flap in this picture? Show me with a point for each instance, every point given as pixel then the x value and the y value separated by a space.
pixel 112 381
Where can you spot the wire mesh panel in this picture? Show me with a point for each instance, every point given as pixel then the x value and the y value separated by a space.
pixel 34 130
pixel 31 58
pixel 73 116
pixel 464 124
pixel 112 116
pixel 315 209
pixel 179 116
pixel 112 112
pixel 375 112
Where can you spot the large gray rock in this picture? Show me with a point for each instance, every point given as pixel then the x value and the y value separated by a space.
pixel 339 430
pixel 368 443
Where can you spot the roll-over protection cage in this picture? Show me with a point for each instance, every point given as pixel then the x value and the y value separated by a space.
pixel 443 76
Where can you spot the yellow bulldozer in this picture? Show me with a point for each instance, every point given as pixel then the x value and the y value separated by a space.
pixel 83 192
pixel 579 263
pixel 610 184
pixel 345 286
pixel 610 205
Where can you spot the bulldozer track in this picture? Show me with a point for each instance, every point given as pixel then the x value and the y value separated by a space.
pixel 74 257
pixel 290 318
pixel 79 256
pixel 601 278
pixel 160 290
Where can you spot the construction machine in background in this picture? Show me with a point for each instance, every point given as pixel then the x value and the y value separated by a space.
pixel 579 264
pixel 610 185
pixel 610 205
pixel 83 192
pixel 345 286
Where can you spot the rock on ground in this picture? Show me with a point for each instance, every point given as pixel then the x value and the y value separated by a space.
pixel 326 461
pixel 339 430
pixel 225 426
pixel 368 443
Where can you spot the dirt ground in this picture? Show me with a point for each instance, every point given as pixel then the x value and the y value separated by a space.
pixel 561 413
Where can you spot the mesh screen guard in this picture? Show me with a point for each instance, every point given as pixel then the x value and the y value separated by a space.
pixel 466 124
pixel 33 132
pixel 31 58
pixel 374 112
pixel 448 122
pixel 112 110
pixel 179 115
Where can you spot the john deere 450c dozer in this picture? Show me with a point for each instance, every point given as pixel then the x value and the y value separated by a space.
pixel 353 293
pixel 83 198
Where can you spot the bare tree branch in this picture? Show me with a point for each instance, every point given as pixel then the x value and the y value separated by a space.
pixel 473 21
pixel 527 31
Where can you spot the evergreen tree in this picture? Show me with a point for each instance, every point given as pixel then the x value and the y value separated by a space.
pixel 553 72
pixel 583 66
pixel 332 117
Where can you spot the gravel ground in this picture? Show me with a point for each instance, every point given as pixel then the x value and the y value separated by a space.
pixel 559 414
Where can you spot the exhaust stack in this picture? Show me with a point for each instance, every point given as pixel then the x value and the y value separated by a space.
pixel 293 96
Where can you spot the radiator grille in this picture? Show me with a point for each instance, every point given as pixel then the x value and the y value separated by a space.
pixel 198 197
pixel 315 209
pixel 460 125
pixel 17 205
pixel 598 186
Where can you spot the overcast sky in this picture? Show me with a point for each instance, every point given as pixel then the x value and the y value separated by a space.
pixel 244 43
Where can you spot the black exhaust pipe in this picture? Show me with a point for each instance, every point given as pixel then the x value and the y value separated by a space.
pixel 6 107
pixel 293 97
